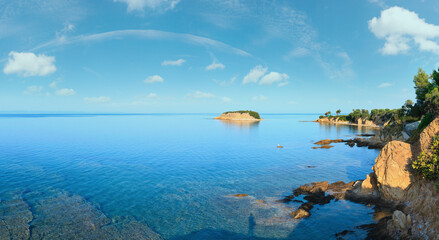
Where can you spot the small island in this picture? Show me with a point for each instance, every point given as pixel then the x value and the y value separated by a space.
pixel 240 116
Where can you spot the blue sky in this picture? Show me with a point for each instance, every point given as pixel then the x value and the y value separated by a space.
pixel 153 56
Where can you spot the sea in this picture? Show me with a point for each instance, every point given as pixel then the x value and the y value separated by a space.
pixel 178 173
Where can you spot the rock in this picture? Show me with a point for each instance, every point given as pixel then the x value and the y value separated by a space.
pixel 240 195
pixel 405 135
pixel 340 235
pixel 15 218
pixel 393 178
pixel 58 215
pixel 366 134
pixel 398 227
pixel 369 123
pixel 369 185
pixel 360 121
pixel 428 133
pixel 338 189
pixel 311 188
pixel 328 141
pixel 410 127
pixel 319 198
pixel 260 201
pixel 399 220
pixel 302 212
pixel 286 199
pixel 323 147
pixel 239 116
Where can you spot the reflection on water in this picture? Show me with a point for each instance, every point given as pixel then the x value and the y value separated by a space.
pixel 338 128
pixel 240 124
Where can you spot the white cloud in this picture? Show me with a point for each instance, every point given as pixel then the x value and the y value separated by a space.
pixel 225 82
pixel 254 75
pixel 151 95
pixel 384 85
pixel 54 85
pixel 260 98
pixel 139 5
pixel 274 77
pixel 29 64
pixel 101 99
pixel 199 94
pixel 153 79
pixel 215 65
pixel 65 92
pixel 226 100
pixel 401 28
pixel 178 62
pixel 33 90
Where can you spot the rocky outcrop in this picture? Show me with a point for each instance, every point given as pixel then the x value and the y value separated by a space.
pixel 236 116
pixel 391 170
pixel 396 182
pixel 427 135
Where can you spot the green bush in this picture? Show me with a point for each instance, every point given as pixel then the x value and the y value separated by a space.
pixel 427 164
pixel 427 119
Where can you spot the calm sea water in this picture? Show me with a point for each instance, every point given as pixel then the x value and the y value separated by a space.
pixel 177 173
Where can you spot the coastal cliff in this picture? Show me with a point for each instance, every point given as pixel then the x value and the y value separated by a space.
pixel 394 185
pixel 240 116
pixel 393 179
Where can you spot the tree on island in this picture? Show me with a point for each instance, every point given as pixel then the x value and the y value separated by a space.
pixel 338 112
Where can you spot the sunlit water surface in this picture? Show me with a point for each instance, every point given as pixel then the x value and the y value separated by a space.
pixel 177 173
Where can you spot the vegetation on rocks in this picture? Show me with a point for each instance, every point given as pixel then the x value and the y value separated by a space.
pixel 427 164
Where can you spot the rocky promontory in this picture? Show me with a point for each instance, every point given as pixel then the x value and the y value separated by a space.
pixel 240 116
pixel 412 200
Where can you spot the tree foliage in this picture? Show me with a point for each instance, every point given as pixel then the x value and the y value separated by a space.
pixel 427 164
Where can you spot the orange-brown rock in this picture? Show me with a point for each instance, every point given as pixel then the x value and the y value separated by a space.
pixel 328 141
pixel 323 146
pixel 391 170
pixel 240 195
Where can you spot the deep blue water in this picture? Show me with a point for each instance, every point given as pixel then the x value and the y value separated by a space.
pixel 177 173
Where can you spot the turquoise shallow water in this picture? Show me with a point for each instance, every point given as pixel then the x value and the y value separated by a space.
pixel 177 173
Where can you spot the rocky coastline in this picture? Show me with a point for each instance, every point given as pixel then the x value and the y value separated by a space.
pixel 412 201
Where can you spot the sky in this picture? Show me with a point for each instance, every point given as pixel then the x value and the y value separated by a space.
pixel 211 56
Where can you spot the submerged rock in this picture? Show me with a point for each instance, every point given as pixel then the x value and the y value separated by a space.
pixel 15 217
pixel 58 215
pixel 240 195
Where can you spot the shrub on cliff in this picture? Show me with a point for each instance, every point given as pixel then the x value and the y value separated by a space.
pixel 427 164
